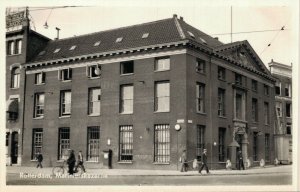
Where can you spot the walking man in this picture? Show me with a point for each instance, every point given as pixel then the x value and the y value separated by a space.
pixel 183 162
pixel 80 162
pixel 71 162
pixel 39 158
pixel 204 162
pixel 241 162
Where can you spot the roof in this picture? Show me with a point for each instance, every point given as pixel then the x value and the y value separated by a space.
pixel 161 31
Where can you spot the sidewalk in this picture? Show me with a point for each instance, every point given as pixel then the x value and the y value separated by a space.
pixel 139 172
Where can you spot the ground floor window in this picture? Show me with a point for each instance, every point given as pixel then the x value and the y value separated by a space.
pixel 255 150
pixel 37 142
pixel 64 143
pixel 126 143
pixel 162 143
pixel 93 136
pixel 267 147
pixel 222 132
pixel 200 145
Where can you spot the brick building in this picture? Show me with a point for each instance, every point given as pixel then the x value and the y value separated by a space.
pixel 126 89
pixel 283 102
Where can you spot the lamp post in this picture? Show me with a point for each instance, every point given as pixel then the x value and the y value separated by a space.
pixel 177 128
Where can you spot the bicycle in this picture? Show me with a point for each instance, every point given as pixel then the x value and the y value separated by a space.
pixel 60 169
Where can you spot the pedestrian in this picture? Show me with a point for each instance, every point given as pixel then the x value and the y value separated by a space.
pixel 39 158
pixel 204 162
pixel 240 159
pixel 183 162
pixel 80 162
pixel 71 162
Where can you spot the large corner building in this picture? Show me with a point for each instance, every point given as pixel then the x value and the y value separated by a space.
pixel 143 93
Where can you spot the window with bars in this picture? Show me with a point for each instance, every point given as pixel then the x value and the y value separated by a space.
pixel 126 143
pixel 40 78
pixel 162 96
pixel 221 73
pixel 65 103
pixel 266 113
pixel 254 85
pixel 222 132
pixel 15 77
pixel 267 147
pixel 39 102
pixel 94 101
pixel 255 146
pixel 93 143
pixel 64 143
pixel 200 97
pixel 221 102
pixel 200 145
pixel 162 143
pixel 254 110
pixel 126 99
pixel 162 64
pixel 200 66
pixel 37 142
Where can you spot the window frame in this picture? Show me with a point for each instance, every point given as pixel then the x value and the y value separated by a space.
pixel 254 110
pixel 200 66
pixel 221 102
pixel 40 80
pixel 200 142
pixel 122 67
pixel 63 143
pixel 221 144
pixel 254 85
pixel 89 71
pixel 255 146
pixel 93 143
pixel 166 67
pixel 266 90
pixel 91 101
pixel 15 77
pixel 62 103
pixel 65 74
pixel 166 98
pixel 200 97
pixel 162 146
pixel 266 113
pixel 221 73
pixel 288 113
pixel 37 142
pixel 124 100
pixel 39 106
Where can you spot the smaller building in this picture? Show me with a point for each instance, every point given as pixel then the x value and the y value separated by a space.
pixel 283 121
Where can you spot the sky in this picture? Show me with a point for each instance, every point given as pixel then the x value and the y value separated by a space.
pixel 210 18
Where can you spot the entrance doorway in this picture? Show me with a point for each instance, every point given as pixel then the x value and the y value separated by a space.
pixel 14 147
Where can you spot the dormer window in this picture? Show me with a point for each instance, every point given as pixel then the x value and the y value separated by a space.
pixel 119 39
pixel 97 43
pixel 191 34
pixel 203 41
pixel 145 35
pixel 73 47
pixel 56 50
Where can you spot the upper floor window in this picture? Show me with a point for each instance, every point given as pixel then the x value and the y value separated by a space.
pixel 201 65
pixel 200 97
pixel 126 67
pixel 288 110
pixel 278 88
pixel 254 110
pixel 266 113
pixel 93 71
pixel 15 77
pixel 288 90
pixel 126 99
pixel 254 85
pixel 221 102
pixel 162 96
pixel 238 79
pixel 39 102
pixel 221 73
pixel 65 74
pixel 40 78
pixel 162 64
pixel 65 103
pixel 19 46
pixel 10 47
pixel 266 89
pixel 279 109
pixel 94 101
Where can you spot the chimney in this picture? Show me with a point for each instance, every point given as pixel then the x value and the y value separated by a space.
pixel 174 15
pixel 57 29
pixel 181 18
pixel 216 38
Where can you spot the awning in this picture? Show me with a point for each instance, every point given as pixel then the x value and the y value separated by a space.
pixel 12 105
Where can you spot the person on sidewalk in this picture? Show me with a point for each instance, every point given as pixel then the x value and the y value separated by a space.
pixel 240 159
pixel 204 162
pixel 39 158
pixel 80 162
pixel 71 162
pixel 183 162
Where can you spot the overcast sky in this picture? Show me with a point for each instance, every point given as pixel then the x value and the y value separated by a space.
pixel 210 18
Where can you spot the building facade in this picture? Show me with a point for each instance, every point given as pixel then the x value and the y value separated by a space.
pixel 145 93
pixel 283 103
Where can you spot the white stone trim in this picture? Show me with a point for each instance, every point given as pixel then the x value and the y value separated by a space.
pixel 109 61
pixel 14 65
pixel 180 31
pixel 14 37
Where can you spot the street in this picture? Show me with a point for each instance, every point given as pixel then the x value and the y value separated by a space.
pixel 260 179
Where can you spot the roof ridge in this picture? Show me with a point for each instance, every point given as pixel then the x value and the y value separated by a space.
pixel 114 29
pixel 179 28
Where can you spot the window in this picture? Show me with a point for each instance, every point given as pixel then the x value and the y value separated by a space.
pixel 238 79
pixel 13 109
pixel 93 135
pixel 278 88
pixel 126 99
pixel 10 48
pixel 119 39
pixel 266 112
pixel 126 143
pixel 279 109
pixel 93 71
pixel 203 40
pixel 40 78
pixel 97 43
pixel 254 85
pixel 65 74
pixel 39 102
pixel 65 103
pixel 64 143
pixel 145 35
pixel 288 109
pixel 289 128
pixel 7 139
pixel 126 67
pixel 221 102
pixel 162 64
pixel 200 141
pixel 94 101
pixel 222 132
pixel 191 34
pixel 162 143
pixel 200 95
pixel 266 89
pixel 56 50
pixel 19 46
pixel 255 146
pixel 287 90
pixel 73 47
pixel 162 96
pixel 37 142
pixel 15 77
pixel 221 73
pixel 254 110
pixel 267 147
pixel 238 106
pixel 201 65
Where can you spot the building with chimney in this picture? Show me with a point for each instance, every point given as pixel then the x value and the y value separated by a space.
pixel 137 96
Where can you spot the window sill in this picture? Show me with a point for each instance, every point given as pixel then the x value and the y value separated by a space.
pixel 240 120
pixel 156 163
pixel 222 117
pixel 201 113
pixel 40 84
pixel 66 116
pixel 37 118
pixel 91 78
pixel 125 162
pixel 65 81
pixel 162 70
pixel 222 162
pixel 128 113
pixel 14 54
pixel 202 73
pixel 12 88
pixel 162 111
pixel 33 160
pixel 126 74
pixel 222 80
pixel 94 115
